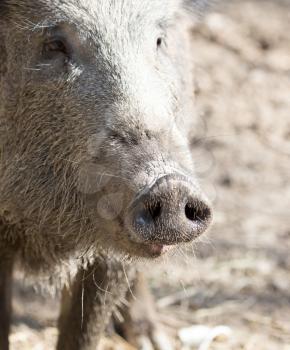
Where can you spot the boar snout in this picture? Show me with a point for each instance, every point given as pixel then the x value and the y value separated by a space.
pixel 172 211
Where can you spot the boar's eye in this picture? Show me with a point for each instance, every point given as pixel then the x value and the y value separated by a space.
pixel 159 42
pixel 54 48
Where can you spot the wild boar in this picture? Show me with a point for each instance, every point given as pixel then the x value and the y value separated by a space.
pixel 96 173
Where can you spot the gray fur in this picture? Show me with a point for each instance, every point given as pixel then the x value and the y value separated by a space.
pixel 75 134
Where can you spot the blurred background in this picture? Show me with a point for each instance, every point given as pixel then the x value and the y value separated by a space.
pixel 238 275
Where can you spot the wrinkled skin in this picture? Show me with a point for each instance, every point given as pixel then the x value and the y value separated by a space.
pixel 95 105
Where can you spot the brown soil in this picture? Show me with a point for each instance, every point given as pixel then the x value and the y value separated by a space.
pixel 239 274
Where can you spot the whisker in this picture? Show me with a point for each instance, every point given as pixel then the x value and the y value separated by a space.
pixel 82 301
pixel 127 280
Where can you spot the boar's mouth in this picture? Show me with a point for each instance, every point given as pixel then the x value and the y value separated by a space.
pixel 170 212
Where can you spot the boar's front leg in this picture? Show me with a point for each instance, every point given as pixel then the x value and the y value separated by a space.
pixel 140 321
pixel 87 308
pixel 6 265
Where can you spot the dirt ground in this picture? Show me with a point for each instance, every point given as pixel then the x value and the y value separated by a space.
pixel 238 274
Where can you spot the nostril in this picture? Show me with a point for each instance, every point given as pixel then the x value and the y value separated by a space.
pixel 197 212
pixel 155 209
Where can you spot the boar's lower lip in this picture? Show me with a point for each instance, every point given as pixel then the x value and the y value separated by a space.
pixel 159 249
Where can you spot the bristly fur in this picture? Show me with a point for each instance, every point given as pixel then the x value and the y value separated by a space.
pixel 96 104
pixel 50 112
